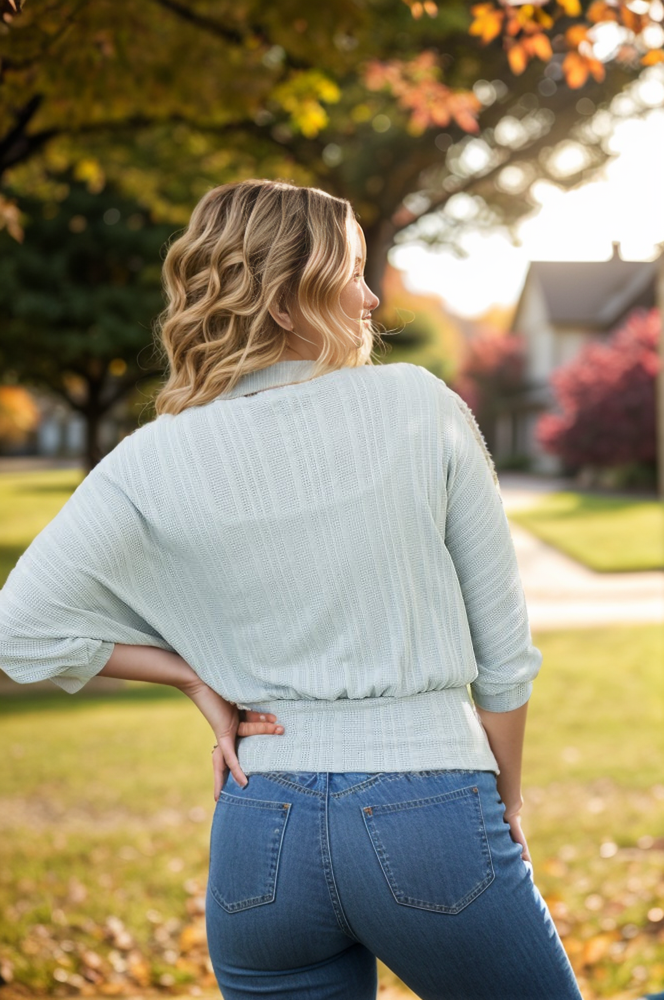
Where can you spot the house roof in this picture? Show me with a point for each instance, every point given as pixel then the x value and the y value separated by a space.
pixel 594 294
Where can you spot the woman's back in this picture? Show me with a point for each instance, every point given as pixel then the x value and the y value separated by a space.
pixel 333 550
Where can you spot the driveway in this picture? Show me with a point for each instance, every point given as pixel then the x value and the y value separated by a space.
pixel 561 592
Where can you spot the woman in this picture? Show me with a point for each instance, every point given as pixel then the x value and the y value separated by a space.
pixel 319 542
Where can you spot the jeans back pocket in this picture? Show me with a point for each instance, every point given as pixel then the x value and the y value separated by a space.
pixel 245 850
pixel 434 851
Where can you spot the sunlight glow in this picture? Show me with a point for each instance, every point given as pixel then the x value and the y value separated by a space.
pixel 625 203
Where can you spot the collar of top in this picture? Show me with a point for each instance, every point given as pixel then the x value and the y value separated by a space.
pixel 279 373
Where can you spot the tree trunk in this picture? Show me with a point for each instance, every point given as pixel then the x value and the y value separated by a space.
pixel 379 239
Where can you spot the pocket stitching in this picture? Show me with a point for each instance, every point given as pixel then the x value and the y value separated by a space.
pixel 271 880
pixel 455 793
pixel 258 803
pixel 383 858
pixel 276 776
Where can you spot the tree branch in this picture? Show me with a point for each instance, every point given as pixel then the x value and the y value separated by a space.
pixel 560 130
pixel 205 23
pixel 221 31
pixel 6 65
pixel 17 145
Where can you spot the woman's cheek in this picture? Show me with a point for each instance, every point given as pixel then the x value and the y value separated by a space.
pixel 351 301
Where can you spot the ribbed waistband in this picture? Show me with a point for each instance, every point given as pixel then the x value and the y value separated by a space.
pixel 430 730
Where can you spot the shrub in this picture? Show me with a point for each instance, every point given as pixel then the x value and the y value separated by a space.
pixel 492 370
pixel 607 398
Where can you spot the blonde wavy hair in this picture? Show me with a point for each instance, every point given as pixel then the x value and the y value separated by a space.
pixel 250 246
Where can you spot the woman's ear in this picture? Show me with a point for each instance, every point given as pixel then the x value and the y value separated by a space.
pixel 281 318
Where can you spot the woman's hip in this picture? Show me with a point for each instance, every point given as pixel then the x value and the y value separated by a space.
pixel 419 867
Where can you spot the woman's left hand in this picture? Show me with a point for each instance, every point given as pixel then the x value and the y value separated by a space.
pixel 517 834
pixel 226 724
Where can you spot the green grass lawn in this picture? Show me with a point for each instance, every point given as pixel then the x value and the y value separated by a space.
pixel 28 501
pixel 608 534
pixel 106 804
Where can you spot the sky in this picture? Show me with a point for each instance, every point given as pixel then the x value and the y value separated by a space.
pixel 624 203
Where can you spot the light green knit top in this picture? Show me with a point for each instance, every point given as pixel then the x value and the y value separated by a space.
pixel 333 550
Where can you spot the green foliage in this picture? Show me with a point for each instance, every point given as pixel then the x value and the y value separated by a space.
pixel 79 296
pixel 514 463
pixel 82 288
pixel 166 100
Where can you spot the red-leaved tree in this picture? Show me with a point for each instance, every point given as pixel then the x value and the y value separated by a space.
pixel 491 372
pixel 607 398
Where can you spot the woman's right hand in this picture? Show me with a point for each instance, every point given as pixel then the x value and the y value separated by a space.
pixel 517 834
pixel 226 724
pixel 256 723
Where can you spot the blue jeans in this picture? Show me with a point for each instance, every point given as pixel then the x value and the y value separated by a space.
pixel 314 875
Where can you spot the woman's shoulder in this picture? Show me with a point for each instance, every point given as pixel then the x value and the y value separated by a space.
pixel 421 380
pixel 131 454
pixel 457 417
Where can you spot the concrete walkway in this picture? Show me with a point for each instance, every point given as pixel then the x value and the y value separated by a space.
pixel 561 592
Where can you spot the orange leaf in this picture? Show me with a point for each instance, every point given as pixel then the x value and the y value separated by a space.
pixel 576 34
pixel 540 46
pixel 573 947
pixel 631 20
pixel 596 948
pixel 652 57
pixel 488 22
pixel 10 218
pixel 514 22
pixel 575 68
pixel 517 58
pixel 601 11
pixel 192 936
pixel 464 107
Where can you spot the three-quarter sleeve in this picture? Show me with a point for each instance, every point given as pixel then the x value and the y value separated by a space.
pixel 76 590
pixel 478 538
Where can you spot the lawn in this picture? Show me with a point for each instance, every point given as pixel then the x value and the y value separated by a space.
pixel 28 501
pixel 607 534
pixel 106 806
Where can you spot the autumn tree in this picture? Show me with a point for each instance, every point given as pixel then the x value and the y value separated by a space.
pixel 19 416
pixel 429 119
pixel 78 297
pixel 606 400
